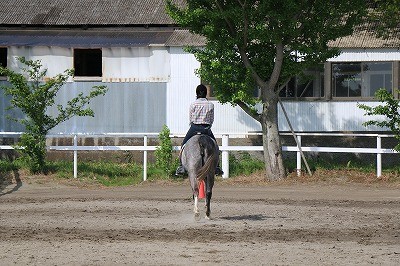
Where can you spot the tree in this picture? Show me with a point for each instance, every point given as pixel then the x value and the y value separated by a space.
pixel 385 15
pixel 389 109
pixel 262 44
pixel 34 96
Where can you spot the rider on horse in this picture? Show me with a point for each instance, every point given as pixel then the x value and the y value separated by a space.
pixel 201 114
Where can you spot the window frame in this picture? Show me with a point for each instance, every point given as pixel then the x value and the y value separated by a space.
pixel 316 82
pixel 363 74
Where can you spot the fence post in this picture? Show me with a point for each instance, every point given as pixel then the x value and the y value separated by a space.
pixel 378 156
pixel 298 157
pixel 145 158
pixel 225 156
pixel 75 156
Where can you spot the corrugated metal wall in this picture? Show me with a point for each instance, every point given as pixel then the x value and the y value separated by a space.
pixel 153 86
pixel 127 107
pixel 136 77
pixel 141 107
pixel 6 124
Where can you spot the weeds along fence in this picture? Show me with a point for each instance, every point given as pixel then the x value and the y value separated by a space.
pixel 225 148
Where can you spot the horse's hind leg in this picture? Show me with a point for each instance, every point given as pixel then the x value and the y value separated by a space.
pixel 196 201
pixel 196 209
pixel 208 199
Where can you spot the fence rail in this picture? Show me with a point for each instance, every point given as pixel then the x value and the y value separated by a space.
pixel 224 148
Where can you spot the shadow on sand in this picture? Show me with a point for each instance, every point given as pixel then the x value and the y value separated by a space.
pixel 251 217
pixel 6 181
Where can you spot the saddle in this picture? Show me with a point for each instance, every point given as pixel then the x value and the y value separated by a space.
pixel 199 132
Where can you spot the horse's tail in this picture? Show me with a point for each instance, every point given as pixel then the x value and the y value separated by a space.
pixel 209 151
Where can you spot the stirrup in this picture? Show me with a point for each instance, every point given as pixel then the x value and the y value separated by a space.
pixel 180 171
pixel 218 171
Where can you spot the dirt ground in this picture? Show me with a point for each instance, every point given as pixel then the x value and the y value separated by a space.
pixel 253 223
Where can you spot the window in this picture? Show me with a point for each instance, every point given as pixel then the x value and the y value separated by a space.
pixel 3 57
pixel 210 89
pixel 310 84
pixel 88 62
pixel 211 94
pixel 361 79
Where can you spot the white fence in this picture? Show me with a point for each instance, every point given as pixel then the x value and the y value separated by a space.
pixel 224 148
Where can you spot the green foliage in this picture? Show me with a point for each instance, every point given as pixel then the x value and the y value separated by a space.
pixel 34 94
pixel 106 173
pixel 33 148
pixel 8 166
pixel 385 16
pixel 389 109
pixel 244 164
pixel 243 39
pixel 163 152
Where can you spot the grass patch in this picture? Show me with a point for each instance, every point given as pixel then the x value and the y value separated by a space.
pixel 243 164
pixel 332 164
pixel 106 173
pixel 8 166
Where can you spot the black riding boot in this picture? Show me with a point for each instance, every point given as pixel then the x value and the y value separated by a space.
pixel 180 170
pixel 218 170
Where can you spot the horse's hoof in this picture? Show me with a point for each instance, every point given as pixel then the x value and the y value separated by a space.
pixel 207 217
pixel 197 216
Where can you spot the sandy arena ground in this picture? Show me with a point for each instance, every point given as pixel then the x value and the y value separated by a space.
pixel 153 224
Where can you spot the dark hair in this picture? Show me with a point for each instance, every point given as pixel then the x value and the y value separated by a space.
pixel 201 91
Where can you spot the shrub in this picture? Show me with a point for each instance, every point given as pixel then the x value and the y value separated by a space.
pixel 163 152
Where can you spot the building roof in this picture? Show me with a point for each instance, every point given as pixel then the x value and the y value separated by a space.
pixel 84 12
pixel 364 36
pixel 122 15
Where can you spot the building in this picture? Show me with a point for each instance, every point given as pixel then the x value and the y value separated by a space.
pixel 134 48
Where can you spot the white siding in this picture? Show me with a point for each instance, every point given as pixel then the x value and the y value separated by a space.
pixel 137 64
pixel 325 116
pixel 233 120
pixel 55 59
pixel 181 89
pixel 367 55
pixel 181 92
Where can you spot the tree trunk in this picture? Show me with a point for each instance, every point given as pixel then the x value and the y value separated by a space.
pixel 274 167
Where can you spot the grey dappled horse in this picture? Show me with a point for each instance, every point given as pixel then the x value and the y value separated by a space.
pixel 200 158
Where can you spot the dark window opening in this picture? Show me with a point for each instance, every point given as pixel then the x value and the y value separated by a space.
pixel 3 57
pixel 308 85
pixel 88 62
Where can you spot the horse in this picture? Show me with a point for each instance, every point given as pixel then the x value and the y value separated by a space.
pixel 200 158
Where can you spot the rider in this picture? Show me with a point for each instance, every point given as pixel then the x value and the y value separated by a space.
pixel 201 115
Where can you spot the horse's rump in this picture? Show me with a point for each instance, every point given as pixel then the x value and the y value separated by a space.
pixel 200 156
pixel 209 150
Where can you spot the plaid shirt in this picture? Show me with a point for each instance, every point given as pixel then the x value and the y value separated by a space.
pixel 201 111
